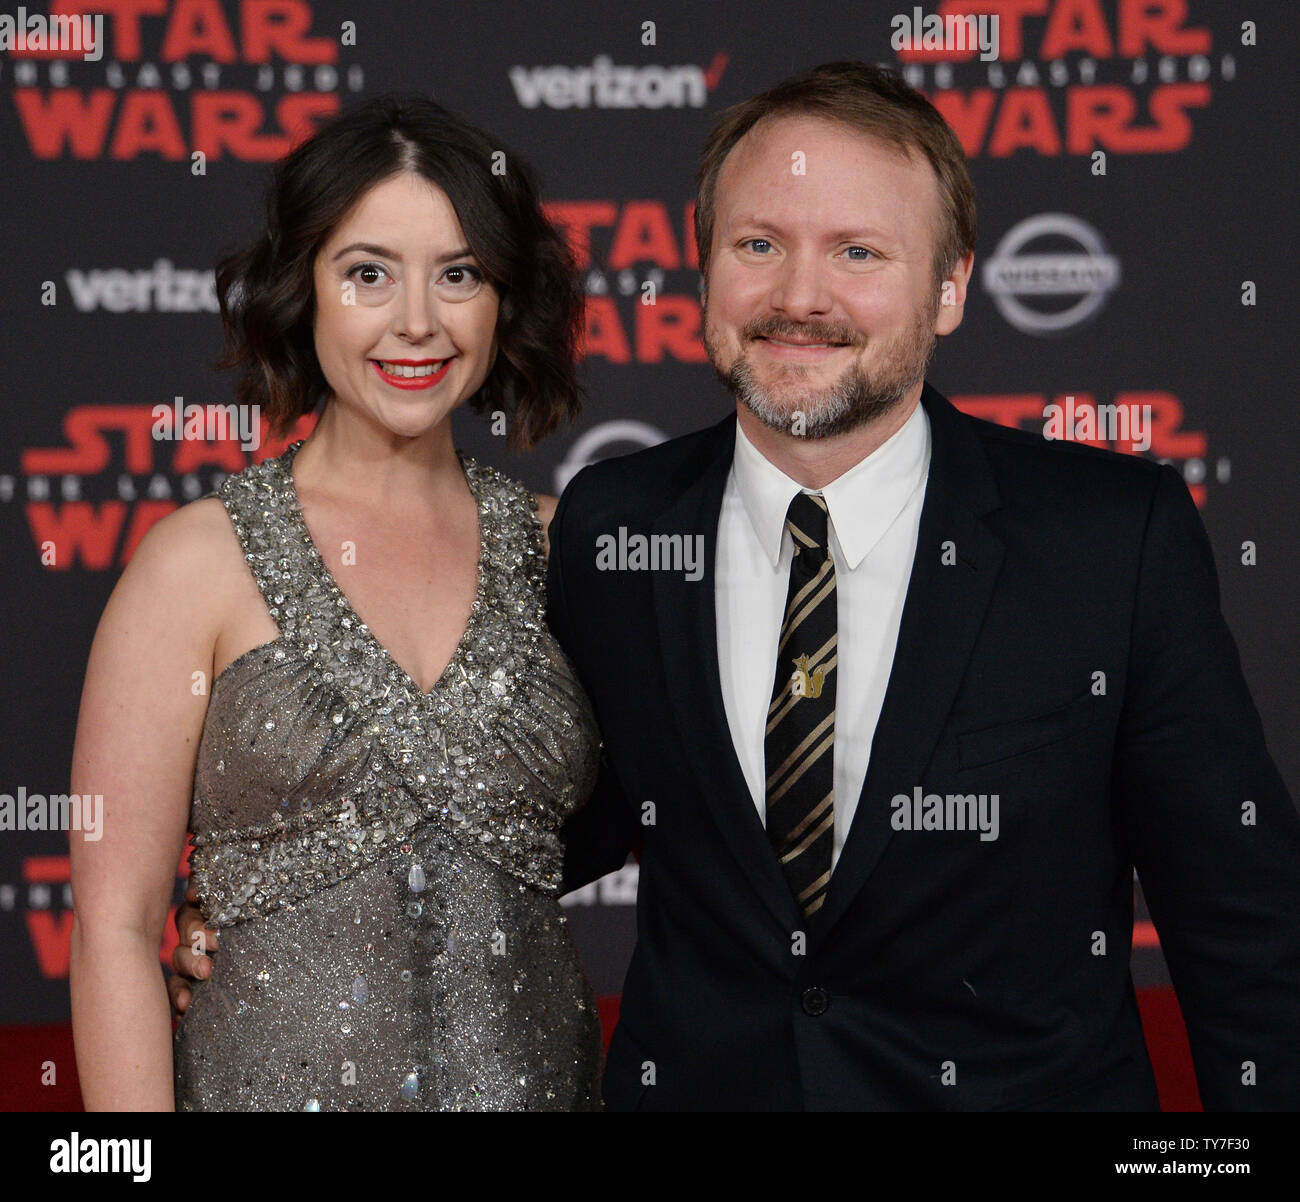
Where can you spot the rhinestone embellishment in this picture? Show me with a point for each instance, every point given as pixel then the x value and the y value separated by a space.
pixel 491 751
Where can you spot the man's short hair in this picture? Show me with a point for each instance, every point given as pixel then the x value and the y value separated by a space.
pixel 874 101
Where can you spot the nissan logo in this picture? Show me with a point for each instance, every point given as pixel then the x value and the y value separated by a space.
pixel 1090 273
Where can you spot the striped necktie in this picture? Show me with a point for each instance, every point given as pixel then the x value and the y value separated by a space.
pixel 800 740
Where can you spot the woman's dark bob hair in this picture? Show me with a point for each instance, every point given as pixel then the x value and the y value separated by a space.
pixel 266 292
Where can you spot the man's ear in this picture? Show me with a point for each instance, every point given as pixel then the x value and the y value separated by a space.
pixel 952 296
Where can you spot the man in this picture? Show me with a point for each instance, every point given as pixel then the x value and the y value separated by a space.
pixel 892 758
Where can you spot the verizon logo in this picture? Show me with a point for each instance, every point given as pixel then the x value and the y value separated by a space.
pixel 605 85
pixel 161 289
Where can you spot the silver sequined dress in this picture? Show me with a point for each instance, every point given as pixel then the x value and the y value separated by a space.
pixel 383 865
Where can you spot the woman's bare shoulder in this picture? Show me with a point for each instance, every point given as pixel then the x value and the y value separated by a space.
pixel 192 552
pixel 191 533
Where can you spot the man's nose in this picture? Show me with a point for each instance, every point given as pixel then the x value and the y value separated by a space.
pixel 802 290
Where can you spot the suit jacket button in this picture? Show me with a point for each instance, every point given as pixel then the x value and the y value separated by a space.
pixel 816 1001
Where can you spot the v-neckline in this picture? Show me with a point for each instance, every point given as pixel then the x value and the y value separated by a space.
pixel 347 608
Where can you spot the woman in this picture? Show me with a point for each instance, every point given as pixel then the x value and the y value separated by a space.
pixel 391 739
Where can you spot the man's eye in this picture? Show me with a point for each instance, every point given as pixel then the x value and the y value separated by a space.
pixel 858 254
pixel 760 245
pixel 365 271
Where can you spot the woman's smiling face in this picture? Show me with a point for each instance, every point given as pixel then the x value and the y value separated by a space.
pixel 405 321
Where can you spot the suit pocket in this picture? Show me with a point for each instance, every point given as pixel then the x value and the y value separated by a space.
pixel 1116 1087
pixel 990 744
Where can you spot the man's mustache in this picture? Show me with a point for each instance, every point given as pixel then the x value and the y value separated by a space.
pixel 810 332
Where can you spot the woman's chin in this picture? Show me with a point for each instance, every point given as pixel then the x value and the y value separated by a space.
pixel 409 420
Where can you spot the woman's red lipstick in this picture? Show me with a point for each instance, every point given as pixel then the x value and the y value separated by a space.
pixel 412 381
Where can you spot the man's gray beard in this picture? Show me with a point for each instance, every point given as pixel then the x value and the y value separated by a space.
pixel 850 402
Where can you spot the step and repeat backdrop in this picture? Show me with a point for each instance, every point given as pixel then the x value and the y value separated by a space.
pixel 1136 181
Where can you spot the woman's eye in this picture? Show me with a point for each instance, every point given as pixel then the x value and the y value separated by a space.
pixel 462 278
pixel 364 272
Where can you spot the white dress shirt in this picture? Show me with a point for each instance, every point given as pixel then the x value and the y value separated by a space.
pixel 875 513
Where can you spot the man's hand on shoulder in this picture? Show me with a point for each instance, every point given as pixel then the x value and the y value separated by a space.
pixel 191 958
pixel 545 512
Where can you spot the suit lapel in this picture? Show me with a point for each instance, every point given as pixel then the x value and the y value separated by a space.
pixel 942 613
pixel 687 626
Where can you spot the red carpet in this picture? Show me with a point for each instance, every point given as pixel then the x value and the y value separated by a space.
pixel 27 1054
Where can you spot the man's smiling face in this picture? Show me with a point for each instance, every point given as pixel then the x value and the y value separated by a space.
pixel 821 298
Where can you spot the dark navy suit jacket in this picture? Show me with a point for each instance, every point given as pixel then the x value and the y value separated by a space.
pixel 1061 646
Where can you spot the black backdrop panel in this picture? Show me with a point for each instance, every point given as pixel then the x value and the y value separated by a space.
pixel 108 307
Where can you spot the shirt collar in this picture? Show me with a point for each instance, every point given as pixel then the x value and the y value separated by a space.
pixel 863 502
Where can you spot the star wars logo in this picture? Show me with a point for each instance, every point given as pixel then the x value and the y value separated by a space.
pixel 625 252
pixel 72 531
pixel 1158 414
pixel 1072 77
pixel 180 78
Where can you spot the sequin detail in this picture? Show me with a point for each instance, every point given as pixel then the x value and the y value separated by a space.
pixel 500 750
